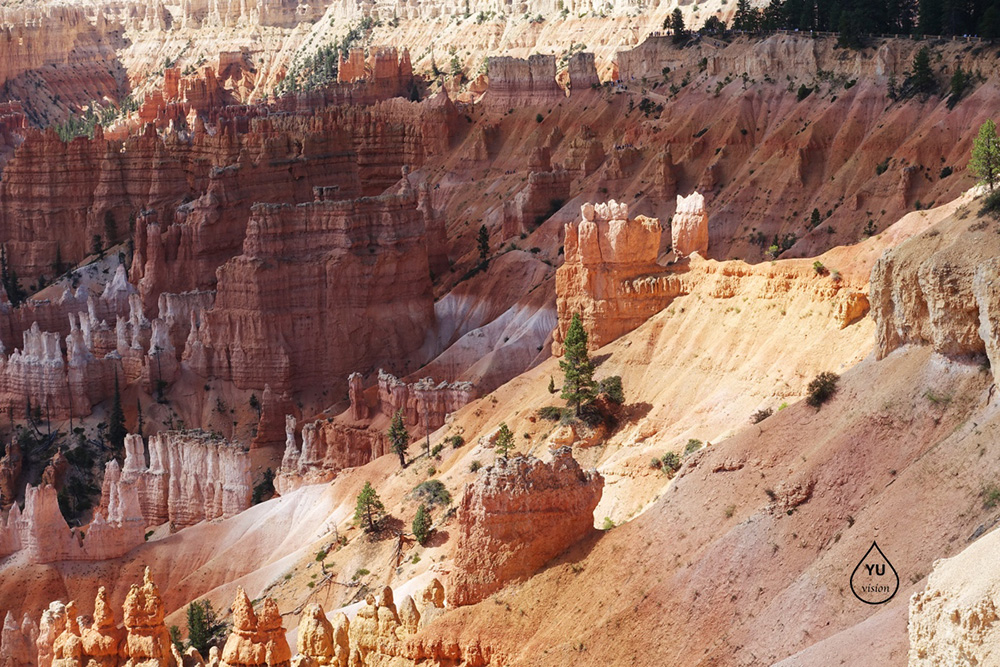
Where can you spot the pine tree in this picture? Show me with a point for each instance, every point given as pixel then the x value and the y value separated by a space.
pixel 677 25
pixel 422 524
pixel 814 219
pixel 552 385
pixel 746 18
pixel 369 508
pixel 578 370
pixel 204 626
pixel 483 241
pixel 138 419
pixel 922 75
pixel 985 161
pixel 959 80
pixel 116 423
pixel 399 439
pixel 505 441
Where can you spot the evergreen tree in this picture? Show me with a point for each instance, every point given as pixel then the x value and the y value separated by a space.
pixel 204 627
pixel 578 370
pixel 483 241
pixel 677 26
pixel 814 219
pixel 989 23
pixel 97 245
pixel 505 441
pixel 922 75
pixel 959 80
pixel 138 419
pixel 116 423
pixel 746 18
pixel 422 524
pixel 399 438
pixel 552 385
pixel 985 161
pixel 369 508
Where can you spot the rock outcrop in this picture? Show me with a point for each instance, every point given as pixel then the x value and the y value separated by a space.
pixel 939 289
pixel 424 403
pixel 17 642
pixel 147 640
pixel 519 82
pixel 10 474
pixel 192 476
pixel 326 448
pixel 256 640
pixel 42 532
pixel 516 517
pixel 610 275
pixel 689 226
pixel 103 641
pixel 545 193
pixel 955 620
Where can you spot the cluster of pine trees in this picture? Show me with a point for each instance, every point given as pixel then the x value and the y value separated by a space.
pixel 854 18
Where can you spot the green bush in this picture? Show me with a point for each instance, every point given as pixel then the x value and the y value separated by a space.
pixel 475 466
pixel 822 388
pixel 436 449
pixel 550 412
pixel 670 462
pixel 433 492
pixel 692 446
pixel 455 441
pixel 804 92
pixel 761 415
pixel 991 204
pixel 612 389
pixel 422 524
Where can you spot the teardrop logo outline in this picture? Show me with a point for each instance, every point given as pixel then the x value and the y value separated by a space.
pixel 875 547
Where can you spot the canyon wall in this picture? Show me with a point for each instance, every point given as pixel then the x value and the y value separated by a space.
pixel 326 448
pixel 517 516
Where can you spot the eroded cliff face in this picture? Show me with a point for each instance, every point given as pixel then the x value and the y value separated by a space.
pixel 940 289
pixel 516 517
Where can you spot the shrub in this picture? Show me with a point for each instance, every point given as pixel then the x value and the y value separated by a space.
pixel 422 524
pixel 455 441
pixel 656 463
pixel 550 412
pixel 761 415
pixel 361 572
pixel 803 92
pixel 822 388
pixel 433 492
pixel 539 118
pixel 612 388
pixel 945 172
pixel 991 205
pixel 264 489
pixel 670 462
pixel 692 446
pixel 882 167
pixel 436 450
pixel 608 523
pixel 475 466
pixel 819 268
pixel 991 496
pixel 320 555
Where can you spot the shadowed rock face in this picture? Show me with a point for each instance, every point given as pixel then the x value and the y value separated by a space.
pixel 516 517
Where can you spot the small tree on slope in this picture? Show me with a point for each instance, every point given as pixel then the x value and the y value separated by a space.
pixel 399 438
pixel 578 381
pixel 369 508
pixel 985 161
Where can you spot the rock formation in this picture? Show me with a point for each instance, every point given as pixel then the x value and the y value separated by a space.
pixel 147 641
pixel 103 642
pixel 424 403
pixel 17 642
pixel 327 448
pixel 51 624
pixel 192 476
pixel 10 474
pixel 610 275
pixel 545 193
pixel 689 226
pixel 518 516
pixel 256 640
pixel 360 266
pixel 928 291
pixel 517 82
pixel 582 72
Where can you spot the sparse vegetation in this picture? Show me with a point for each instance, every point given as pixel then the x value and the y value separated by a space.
pixel 822 388
pixel 761 415
pixel 505 441
pixel 692 446
pixel 455 441
pixel 399 438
